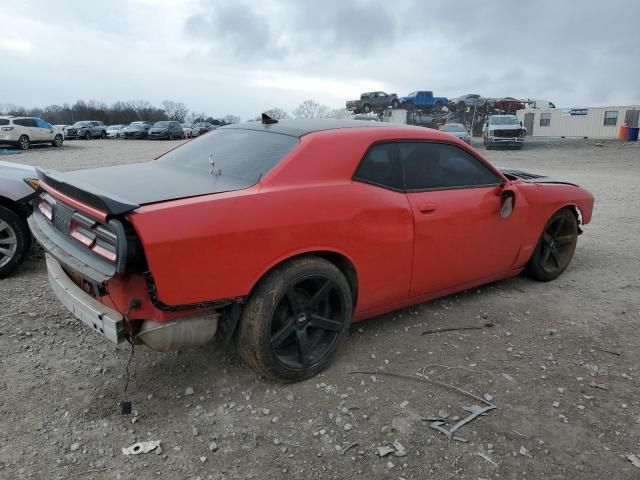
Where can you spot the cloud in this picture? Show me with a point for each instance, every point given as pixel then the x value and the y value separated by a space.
pixel 241 56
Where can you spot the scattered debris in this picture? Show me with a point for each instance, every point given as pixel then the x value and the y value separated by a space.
pixel 399 449
pixel 189 391
pixel 347 448
pixel 384 451
pixel 141 447
pixel 74 447
pixel 347 427
pixel 508 377
pixel 488 397
pixel 617 354
pixel 634 459
pixel 390 465
pixel 440 330
pixel 203 459
pixel 486 458
pixel 601 386
pixel 524 452
pixel 213 447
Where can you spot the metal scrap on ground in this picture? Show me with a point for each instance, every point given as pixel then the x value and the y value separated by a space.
pixel 453 329
pixel 141 447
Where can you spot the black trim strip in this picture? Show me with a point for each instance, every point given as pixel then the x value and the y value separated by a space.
pixel 153 295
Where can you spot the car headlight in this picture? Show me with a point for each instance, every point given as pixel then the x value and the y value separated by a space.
pixel 491 132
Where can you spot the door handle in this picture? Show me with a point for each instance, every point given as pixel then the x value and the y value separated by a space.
pixel 426 208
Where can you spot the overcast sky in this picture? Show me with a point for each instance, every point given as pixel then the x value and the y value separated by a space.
pixel 242 57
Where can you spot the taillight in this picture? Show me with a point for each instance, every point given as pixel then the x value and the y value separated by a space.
pixel 45 205
pixel 95 236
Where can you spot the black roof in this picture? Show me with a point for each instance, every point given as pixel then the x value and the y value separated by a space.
pixel 299 128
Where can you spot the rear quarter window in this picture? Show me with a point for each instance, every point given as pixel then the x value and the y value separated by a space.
pixel 244 154
pixel 4 121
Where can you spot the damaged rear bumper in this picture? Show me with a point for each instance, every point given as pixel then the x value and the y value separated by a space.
pixel 100 318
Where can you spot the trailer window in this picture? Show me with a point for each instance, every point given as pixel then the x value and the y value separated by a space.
pixel 610 118
pixel 545 119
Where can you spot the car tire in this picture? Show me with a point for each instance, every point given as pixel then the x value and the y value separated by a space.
pixel 395 104
pixel 295 319
pixel 15 241
pixel 58 140
pixel 170 136
pixel 366 108
pixel 23 142
pixel 87 136
pixel 555 248
pixel 103 135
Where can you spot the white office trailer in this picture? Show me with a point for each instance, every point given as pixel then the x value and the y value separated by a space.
pixel 598 122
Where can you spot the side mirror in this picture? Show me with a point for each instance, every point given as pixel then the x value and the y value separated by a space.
pixel 520 123
pixel 507 202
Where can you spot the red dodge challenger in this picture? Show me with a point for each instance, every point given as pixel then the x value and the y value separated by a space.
pixel 279 234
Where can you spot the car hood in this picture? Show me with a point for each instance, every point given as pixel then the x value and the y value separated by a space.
pixel 504 127
pixel 124 188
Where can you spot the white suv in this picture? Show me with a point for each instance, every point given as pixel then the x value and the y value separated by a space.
pixel 25 131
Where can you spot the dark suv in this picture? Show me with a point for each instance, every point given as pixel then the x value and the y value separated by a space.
pixel 167 130
pixel 87 129
pixel 373 101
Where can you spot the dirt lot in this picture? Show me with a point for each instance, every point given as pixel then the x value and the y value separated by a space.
pixel 561 364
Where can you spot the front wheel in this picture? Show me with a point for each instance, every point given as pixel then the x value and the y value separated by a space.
pixel 103 135
pixel 15 241
pixel 555 248
pixel 57 141
pixel 87 136
pixel 395 104
pixel 366 108
pixel 295 320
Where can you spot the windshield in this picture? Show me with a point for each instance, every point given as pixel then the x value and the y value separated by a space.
pixel 412 94
pixel 454 127
pixel 161 124
pixel 243 154
pixel 505 120
pixel 200 124
pixel 81 124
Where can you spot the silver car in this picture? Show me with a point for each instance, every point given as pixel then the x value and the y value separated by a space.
pixel 458 130
pixel 18 184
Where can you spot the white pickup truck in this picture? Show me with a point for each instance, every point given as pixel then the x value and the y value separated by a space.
pixel 503 130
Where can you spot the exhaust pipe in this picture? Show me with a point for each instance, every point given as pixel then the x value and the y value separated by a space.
pixel 185 333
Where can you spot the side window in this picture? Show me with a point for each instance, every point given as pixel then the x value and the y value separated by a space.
pixel 610 118
pixel 439 165
pixel 381 166
pixel 25 122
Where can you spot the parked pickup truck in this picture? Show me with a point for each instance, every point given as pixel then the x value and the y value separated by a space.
pixel 503 130
pixel 373 101
pixel 423 99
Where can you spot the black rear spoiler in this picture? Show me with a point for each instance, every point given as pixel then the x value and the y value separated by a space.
pixel 109 204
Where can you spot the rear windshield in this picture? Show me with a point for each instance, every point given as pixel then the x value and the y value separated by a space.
pixel 244 154
pixel 4 121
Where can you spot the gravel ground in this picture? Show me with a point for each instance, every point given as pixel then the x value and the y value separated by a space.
pixel 560 363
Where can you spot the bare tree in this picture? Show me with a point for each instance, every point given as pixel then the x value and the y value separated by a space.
pixel 311 109
pixel 175 110
pixel 229 119
pixel 277 113
pixel 340 114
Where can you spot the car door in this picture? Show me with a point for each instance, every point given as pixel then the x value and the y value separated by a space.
pixel 460 236
pixel 29 128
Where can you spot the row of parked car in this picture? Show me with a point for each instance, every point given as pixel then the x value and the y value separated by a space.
pixel 165 129
pixel 426 100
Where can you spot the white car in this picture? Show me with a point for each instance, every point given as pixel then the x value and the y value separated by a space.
pixel 18 184
pixel 188 131
pixel 115 131
pixel 22 132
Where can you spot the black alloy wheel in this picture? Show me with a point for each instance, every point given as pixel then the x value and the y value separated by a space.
pixel 57 141
pixel 295 320
pixel 556 247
